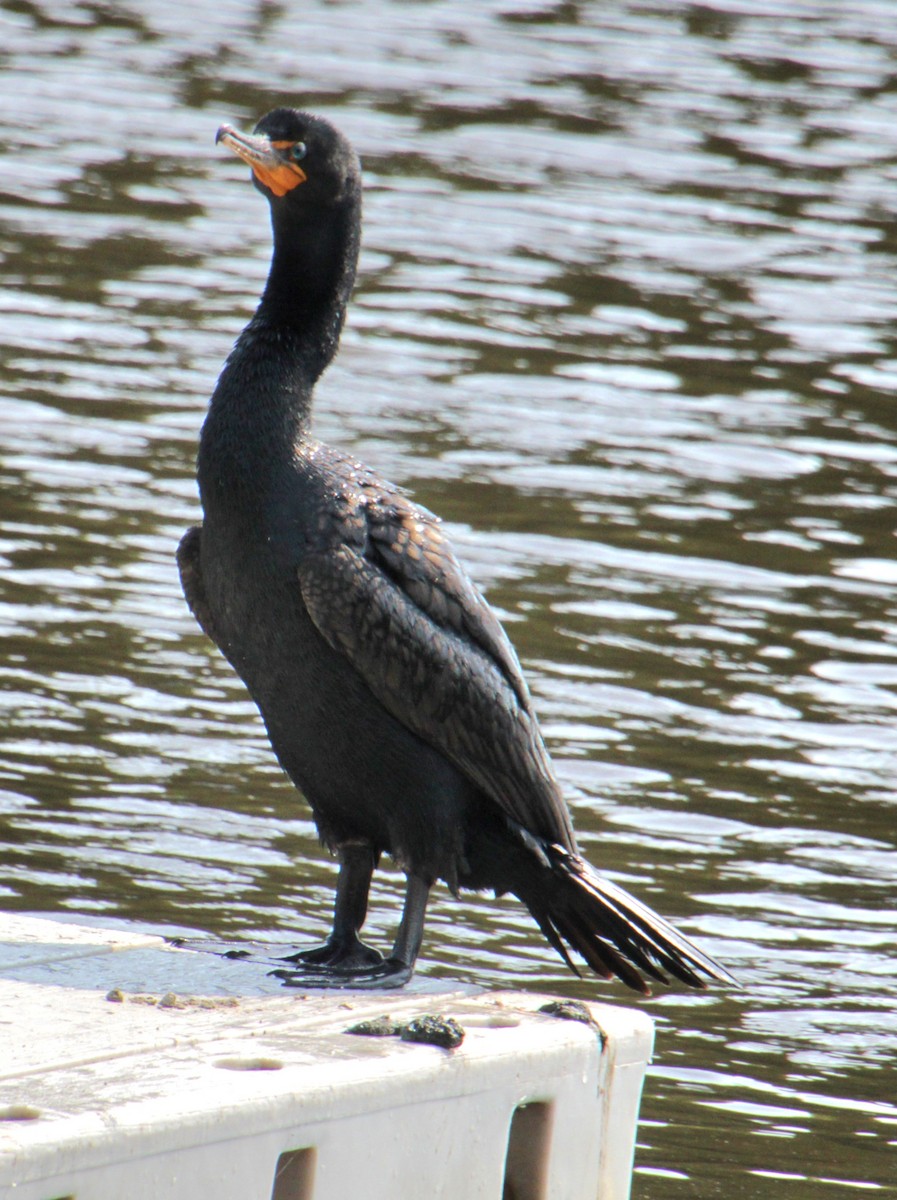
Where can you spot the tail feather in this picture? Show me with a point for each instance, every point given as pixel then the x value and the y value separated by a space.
pixel 603 958
pixel 614 932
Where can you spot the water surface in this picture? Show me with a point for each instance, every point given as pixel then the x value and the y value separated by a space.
pixel 625 318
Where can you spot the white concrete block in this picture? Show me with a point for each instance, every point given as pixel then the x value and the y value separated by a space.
pixel 266 1097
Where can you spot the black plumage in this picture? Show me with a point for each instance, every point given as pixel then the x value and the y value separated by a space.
pixel 391 694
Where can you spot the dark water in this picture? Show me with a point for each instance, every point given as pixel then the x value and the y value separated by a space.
pixel 626 318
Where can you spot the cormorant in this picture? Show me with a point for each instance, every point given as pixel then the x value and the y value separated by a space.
pixel 391 694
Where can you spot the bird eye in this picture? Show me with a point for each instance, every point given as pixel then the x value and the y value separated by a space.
pixel 298 151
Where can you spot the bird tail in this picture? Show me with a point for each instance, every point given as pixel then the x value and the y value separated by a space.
pixel 615 933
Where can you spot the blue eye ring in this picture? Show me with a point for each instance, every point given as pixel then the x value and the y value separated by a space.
pixel 298 151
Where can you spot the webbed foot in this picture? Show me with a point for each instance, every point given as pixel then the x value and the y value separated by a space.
pixel 385 973
pixel 340 954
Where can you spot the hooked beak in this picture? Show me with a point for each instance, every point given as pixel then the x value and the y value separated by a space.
pixel 270 168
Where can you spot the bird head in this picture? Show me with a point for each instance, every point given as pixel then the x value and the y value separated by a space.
pixel 296 156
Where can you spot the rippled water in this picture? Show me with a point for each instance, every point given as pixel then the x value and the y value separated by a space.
pixel 626 319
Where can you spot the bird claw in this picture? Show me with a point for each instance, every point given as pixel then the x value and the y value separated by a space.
pixel 387 973
pixel 337 955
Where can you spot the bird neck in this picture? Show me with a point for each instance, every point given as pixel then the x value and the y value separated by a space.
pixel 262 405
pixel 309 283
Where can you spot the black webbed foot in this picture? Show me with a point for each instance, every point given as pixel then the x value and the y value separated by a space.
pixel 338 954
pixel 387 973
pixel 345 962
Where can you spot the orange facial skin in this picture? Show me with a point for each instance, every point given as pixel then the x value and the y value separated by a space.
pixel 268 160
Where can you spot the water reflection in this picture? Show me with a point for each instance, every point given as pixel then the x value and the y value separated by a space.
pixel 625 319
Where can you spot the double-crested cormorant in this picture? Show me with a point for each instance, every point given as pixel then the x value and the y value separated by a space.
pixel 391 694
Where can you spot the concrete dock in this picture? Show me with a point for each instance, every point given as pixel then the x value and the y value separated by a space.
pixel 132 1069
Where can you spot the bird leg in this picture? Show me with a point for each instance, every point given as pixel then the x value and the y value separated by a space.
pixel 344 950
pixel 356 969
pixel 411 928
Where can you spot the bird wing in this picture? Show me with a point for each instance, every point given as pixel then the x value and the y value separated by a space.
pixel 390 595
pixel 189 566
